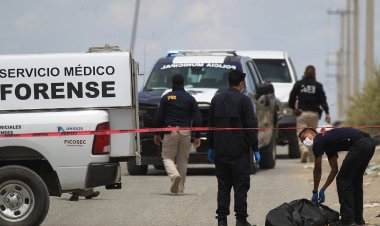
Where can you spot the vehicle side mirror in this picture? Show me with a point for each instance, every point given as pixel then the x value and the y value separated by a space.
pixel 265 88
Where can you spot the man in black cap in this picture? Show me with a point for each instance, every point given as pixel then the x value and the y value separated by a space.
pixel 230 150
pixel 177 109
pixel 307 97
pixel 360 147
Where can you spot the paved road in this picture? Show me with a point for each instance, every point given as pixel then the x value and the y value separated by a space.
pixel 145 200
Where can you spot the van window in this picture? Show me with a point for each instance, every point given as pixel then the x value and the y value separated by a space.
pixel 274 70
pixel 197 75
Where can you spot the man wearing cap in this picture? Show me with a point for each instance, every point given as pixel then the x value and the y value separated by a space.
pixel 230 150
pixel 306 98
pixel 177 109
pixel 360 147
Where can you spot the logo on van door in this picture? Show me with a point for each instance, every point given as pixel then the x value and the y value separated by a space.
pixel 75 142
pixel 69 128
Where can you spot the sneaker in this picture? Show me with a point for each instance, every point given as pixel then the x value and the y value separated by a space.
pixel 74 197
pixel 93 195
pixel 244 223
pixel 175 183
pixel 178 193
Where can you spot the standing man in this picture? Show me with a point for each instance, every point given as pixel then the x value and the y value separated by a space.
pixel 306 98
pixel 177 109
pixel 349 181
pixel 230 150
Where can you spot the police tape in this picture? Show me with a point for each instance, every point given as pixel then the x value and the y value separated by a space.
pixel 158 130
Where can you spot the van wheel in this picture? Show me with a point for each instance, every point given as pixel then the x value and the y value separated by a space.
pixel 294 149
pixel 24 197
pixel 268 154
pixel 134 169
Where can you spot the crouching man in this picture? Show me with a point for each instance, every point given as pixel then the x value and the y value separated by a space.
pixel 360 147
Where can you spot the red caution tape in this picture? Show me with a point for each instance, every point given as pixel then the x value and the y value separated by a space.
pixel 154 130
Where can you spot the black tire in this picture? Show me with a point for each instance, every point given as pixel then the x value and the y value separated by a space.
pixel 134 169
pixel 293 147
pixel 268 154
pixel 252 165
pixel 22 187
pixel 159 167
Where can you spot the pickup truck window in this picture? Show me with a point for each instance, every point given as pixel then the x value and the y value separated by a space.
pixel 197 75
pixel 274 70
pixel 255 74
pixel 249 83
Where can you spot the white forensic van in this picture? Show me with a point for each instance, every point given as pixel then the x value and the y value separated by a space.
pixel 68 92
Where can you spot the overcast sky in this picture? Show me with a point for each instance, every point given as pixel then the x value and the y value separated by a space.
pixel 302 28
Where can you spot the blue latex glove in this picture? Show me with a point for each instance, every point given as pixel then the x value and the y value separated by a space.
pixel 314 198
pixel 321 198
pixel 257 156
pixel 211 155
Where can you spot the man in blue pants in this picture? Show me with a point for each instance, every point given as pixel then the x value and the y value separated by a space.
pixel 360 147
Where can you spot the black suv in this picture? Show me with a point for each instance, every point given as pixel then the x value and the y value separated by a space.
pixel 206 74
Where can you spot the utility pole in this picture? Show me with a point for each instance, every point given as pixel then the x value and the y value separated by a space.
pixel 348 53
pixel 356 51
pixel 134 26
pixel 341 74
pixel 369 63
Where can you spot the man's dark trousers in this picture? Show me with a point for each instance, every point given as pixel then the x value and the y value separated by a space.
pixel 350 180
pixel 233 172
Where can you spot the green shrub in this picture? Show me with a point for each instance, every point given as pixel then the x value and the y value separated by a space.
pixel 365 106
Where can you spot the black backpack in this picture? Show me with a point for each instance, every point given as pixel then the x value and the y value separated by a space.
pixel 301 212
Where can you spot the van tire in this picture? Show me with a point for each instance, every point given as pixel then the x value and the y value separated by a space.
pixel 293 147
pixel 22 186
pixel 134 169
pixel 268 154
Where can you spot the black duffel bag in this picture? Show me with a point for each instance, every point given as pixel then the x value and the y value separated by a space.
pixel 301 212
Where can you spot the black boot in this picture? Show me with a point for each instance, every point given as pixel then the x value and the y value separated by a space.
pixel 243 223
pixel 93 195
pixel 74 197
pixel 222 223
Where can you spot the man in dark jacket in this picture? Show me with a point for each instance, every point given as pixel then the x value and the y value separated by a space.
pixel 349 182
pixel 177 109
pixel 232 109
pixel 307 97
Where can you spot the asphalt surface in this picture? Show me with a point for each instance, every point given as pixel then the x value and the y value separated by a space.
pixel 146 200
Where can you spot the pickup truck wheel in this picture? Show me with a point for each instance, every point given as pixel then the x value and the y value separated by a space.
pixel 268 154
pixel 134 169
pixel 159 167
pixel 24 197
pixel 294 149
